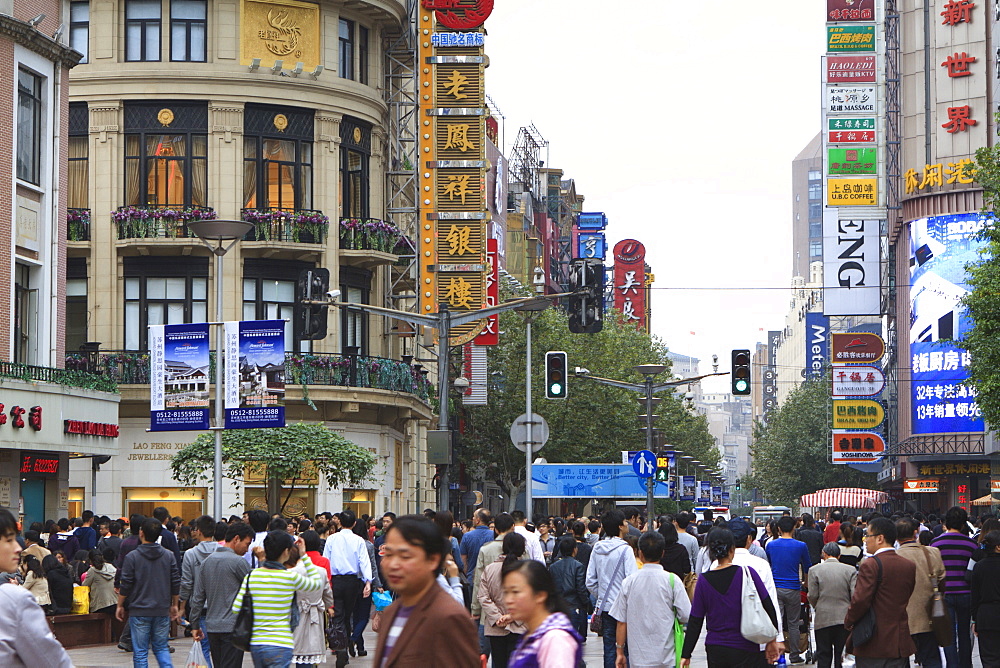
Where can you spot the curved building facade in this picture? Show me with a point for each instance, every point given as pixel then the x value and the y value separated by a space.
pixel 274 113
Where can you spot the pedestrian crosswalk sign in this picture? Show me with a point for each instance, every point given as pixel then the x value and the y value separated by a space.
pixel 662 475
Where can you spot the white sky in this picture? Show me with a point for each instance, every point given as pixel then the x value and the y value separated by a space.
pixel 680 121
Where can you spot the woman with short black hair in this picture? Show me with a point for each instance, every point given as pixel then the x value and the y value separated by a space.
pixel 549 639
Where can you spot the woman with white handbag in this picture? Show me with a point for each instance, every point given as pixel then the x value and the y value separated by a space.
pixel 732 602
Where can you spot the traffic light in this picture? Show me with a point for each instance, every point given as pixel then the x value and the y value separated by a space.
pixel 310 319
pixel 741 372
pixel 556 372
pixel 586 310
pixel 738 483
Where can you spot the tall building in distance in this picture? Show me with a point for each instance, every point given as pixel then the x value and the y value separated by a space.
pixel 807 207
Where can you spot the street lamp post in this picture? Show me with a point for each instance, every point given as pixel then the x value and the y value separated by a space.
pixel 650 371
pixel 215 234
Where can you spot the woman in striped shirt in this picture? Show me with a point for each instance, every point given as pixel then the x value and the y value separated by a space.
pixel 272 588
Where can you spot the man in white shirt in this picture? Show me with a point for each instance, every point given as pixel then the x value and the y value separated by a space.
pixel 258 520
pixel 534 548
pixel 646 607
pixel 744 534
pixel 350 570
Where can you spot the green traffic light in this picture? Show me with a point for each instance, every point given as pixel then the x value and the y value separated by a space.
pixel 742 385
pixel 555 389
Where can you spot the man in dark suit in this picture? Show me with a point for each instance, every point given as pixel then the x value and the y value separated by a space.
pixel 891 645
pixel 423 613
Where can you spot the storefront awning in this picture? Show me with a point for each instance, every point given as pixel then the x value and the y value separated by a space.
pixel 987 500
pixel 844 497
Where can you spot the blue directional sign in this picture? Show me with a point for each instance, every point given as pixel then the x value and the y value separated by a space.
pixel 644 464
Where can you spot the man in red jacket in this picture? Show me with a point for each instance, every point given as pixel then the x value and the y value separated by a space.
pixel 832 532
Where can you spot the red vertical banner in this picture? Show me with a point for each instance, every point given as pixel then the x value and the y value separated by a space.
pixel 630 282
pixel 490 336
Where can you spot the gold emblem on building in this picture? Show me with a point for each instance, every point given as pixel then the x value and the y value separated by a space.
pixel 165 117
pixel 357 135
pixel 284 38
pixel 280 122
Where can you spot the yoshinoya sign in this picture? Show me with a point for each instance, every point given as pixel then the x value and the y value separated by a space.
pixel 851 262
pixel 852 99
pixel 848 161
pixel 854 446
pixel 857 381
pixel 850 69
pixel 857 347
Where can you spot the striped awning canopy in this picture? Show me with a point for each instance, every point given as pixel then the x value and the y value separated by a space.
pixel 987 500
pixel 844 497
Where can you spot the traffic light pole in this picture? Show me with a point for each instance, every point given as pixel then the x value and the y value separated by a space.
pixel 443 322
pixel 530 425
pixel 650 389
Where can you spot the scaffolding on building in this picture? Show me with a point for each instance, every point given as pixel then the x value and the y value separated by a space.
pixel 894 210
pixel 402 158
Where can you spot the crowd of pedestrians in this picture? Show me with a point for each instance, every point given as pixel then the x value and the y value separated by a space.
pixel 505 591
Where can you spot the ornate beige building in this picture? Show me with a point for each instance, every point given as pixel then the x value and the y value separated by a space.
pixel 275 113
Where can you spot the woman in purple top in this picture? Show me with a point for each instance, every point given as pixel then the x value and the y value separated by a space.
pixel 718 599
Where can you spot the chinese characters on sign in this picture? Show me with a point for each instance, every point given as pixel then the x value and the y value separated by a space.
pixel 921 486
pixel 857 381
pixel 850 10
pixel 955 468
pixel 957 11
pixel 857 447
pixel 850 69
pixel 851 99
pixel 846 161
pixel 850 130
pixel 850 38
pixel 857 414
pixel 937 175
pixel 852 192
pixel 629 287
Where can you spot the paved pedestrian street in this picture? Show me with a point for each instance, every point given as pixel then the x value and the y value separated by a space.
pixel 108 656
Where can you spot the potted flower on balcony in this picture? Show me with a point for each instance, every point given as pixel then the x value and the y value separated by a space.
pixel 78 224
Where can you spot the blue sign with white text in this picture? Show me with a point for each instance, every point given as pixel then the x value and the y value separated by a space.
pixel 601 481
pixel 592 221
pixel 591 246
pixel 817 343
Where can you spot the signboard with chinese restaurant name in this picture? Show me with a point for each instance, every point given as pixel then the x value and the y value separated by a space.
pixel 851 161
pixel 855 447
pixel 921 486
pixel 857 347
pixel 850 38
pixel 857 414
pixel 857 381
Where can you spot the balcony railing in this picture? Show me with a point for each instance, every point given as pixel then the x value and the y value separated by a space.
pixel 78 224
pixel 374 235
pixel 302 226
pixel 153 222
pixel 70 376
pixel 310 369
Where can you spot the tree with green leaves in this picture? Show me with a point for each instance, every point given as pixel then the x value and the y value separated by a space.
pixel 595 422
pixel 791 454
pixel 982 302
pixel 292 454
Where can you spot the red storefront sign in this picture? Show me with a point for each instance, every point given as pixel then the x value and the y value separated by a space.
pixel 630 281
pixel 850 69
pixel 852 136
pixel 90 428
pixel 461 14
pixel 490 336
pixel 850 10
pixel 857 347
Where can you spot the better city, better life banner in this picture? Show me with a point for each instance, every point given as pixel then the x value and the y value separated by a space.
pixel 178 399
pixel 255 374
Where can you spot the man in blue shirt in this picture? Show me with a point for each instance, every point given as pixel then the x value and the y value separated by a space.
pixel 474 540
pixel 787 556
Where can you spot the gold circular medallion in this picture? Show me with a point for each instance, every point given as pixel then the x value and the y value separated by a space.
pixel 280 122
pixel 165 117
pixel 357 135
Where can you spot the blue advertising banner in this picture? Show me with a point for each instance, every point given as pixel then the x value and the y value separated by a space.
pixel 255 374
pixel 817 343
pixel 705 495
pixel 688 488
pixel 602 481
pixel 592 221
pixel 725 498
pixel 716 496
pixel 940 248
pixel 179 363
